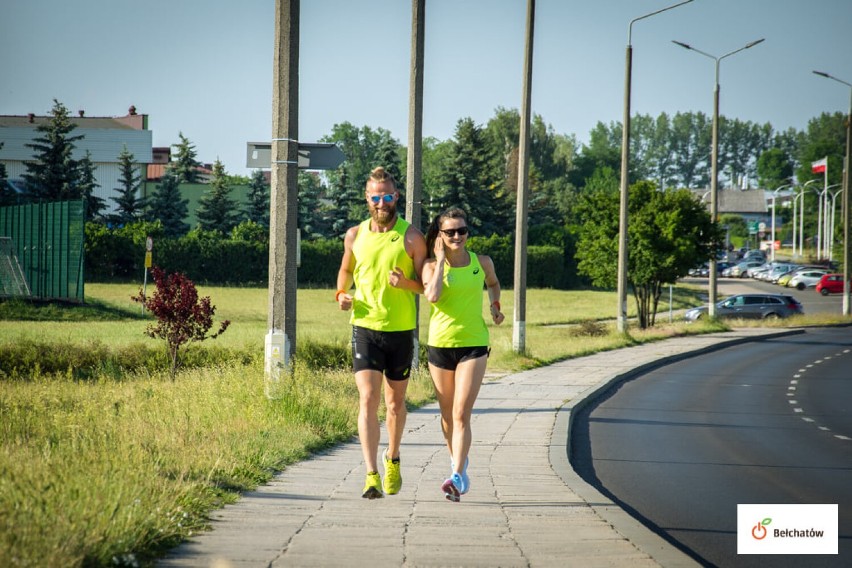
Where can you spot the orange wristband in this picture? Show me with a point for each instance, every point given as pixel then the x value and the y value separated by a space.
pixel 337 296
pixel 496 304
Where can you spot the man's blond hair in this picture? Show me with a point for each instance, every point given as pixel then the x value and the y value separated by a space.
pixel 381 175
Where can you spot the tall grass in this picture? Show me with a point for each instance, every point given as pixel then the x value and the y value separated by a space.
pixel 110 472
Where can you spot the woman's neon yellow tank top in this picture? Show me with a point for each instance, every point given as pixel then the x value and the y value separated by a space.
pixel 456 318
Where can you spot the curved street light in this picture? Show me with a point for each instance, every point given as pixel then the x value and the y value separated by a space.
pixel 714 169
pixel 847 259
pixel 621 315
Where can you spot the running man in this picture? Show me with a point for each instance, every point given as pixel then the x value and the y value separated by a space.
pixel 383 258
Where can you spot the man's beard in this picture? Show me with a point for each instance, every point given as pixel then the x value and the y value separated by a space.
pixel 383 217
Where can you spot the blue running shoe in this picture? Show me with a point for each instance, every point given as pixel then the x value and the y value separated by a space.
pixel 451 486
pixel 465 480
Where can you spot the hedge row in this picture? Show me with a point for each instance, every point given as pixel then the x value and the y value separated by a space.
pixel 205 257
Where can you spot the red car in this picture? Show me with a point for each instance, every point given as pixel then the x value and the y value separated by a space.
pixel 830 284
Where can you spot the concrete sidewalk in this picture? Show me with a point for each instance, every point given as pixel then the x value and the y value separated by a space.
pixel 526 506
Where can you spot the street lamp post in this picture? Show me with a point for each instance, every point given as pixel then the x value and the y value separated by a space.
pixel 621 315
pixel 845 208
pixel 831 221
pixel 714 169
pixel 774 195
pixel 801 219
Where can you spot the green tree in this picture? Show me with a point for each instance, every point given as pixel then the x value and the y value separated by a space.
pixel 129 205
pixel 774 168
pixel 312 213
pixel 184 163
pixel 602 151
pixel 691 146
pixel 435 154
pixel 87 185
pixel 8 196
pixel 467 181
pixel 167 206
pixel 669 232
pixel 364 149
pixel 825 137
pixel 388 155
pixel 216 210
pixel 54 175
pixel 257 208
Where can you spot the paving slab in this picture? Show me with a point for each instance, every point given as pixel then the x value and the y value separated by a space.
pixel 526 506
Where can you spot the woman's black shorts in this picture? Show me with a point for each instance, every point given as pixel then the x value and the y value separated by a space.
pixel 390 352
pixel 450 357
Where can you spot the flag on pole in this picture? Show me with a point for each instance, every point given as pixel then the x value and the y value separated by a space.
pixel 819 166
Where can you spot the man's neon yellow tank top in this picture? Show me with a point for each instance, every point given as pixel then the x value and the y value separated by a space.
pixel 376 304
pixel 456 318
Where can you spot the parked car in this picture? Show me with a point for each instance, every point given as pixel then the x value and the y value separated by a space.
pixel 751 306
pixel 742 269
pixel 785 275
pixel 723 265
pixel 760 272
pixel 774 272
pixel 755 254
pixel 830 284
pixel 806 279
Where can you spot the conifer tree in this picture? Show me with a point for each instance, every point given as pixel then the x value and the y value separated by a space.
pixel 7 194
pixel 87 185
pixel 129 205
pixel 216 210
pixel 167 206
pixel 185 163
pixel 257 208
pixel 312 214
pixel 54 174
pixel 468 182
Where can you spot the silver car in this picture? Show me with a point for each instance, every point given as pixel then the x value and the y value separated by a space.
pixel 806 279
pixel 751 306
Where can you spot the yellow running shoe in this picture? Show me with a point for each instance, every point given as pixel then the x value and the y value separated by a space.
pixel 393 477
pixel 373 486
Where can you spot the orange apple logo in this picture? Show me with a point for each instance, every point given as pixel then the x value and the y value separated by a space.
pixel 759 531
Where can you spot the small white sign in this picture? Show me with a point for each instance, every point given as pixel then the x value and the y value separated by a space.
pixel 787 529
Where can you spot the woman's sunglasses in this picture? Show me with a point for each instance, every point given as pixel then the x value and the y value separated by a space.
pixel 387 198
pixel 461 231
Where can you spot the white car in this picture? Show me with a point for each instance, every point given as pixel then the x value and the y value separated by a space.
pixel 806 279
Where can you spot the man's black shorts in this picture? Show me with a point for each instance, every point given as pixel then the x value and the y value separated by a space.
pixel 390 352
pixel 450 357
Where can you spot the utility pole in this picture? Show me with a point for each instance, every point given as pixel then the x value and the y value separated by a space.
pixel 281 315
pixel 519 329
pixel 414 167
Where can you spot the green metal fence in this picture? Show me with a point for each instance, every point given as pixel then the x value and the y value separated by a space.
pixel 48 240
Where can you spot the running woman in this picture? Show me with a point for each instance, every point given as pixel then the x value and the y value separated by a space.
pixel 454 279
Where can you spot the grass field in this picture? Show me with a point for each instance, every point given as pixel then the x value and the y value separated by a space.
pixel 113 469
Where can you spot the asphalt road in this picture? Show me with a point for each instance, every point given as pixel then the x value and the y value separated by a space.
pixel 763 422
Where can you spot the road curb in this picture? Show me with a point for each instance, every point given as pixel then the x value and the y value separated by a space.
pixel 645 539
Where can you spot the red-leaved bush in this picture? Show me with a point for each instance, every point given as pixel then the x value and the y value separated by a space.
pixel 181 316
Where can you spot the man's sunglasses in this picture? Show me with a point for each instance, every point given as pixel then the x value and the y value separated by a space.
pixel 387 198
pixel 461 231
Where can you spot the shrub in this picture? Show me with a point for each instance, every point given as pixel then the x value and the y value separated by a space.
pixel 181 316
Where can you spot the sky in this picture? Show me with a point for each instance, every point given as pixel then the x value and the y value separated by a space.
pixel 204 67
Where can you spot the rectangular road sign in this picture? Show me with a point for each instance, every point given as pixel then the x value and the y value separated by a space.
pixel 312 156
